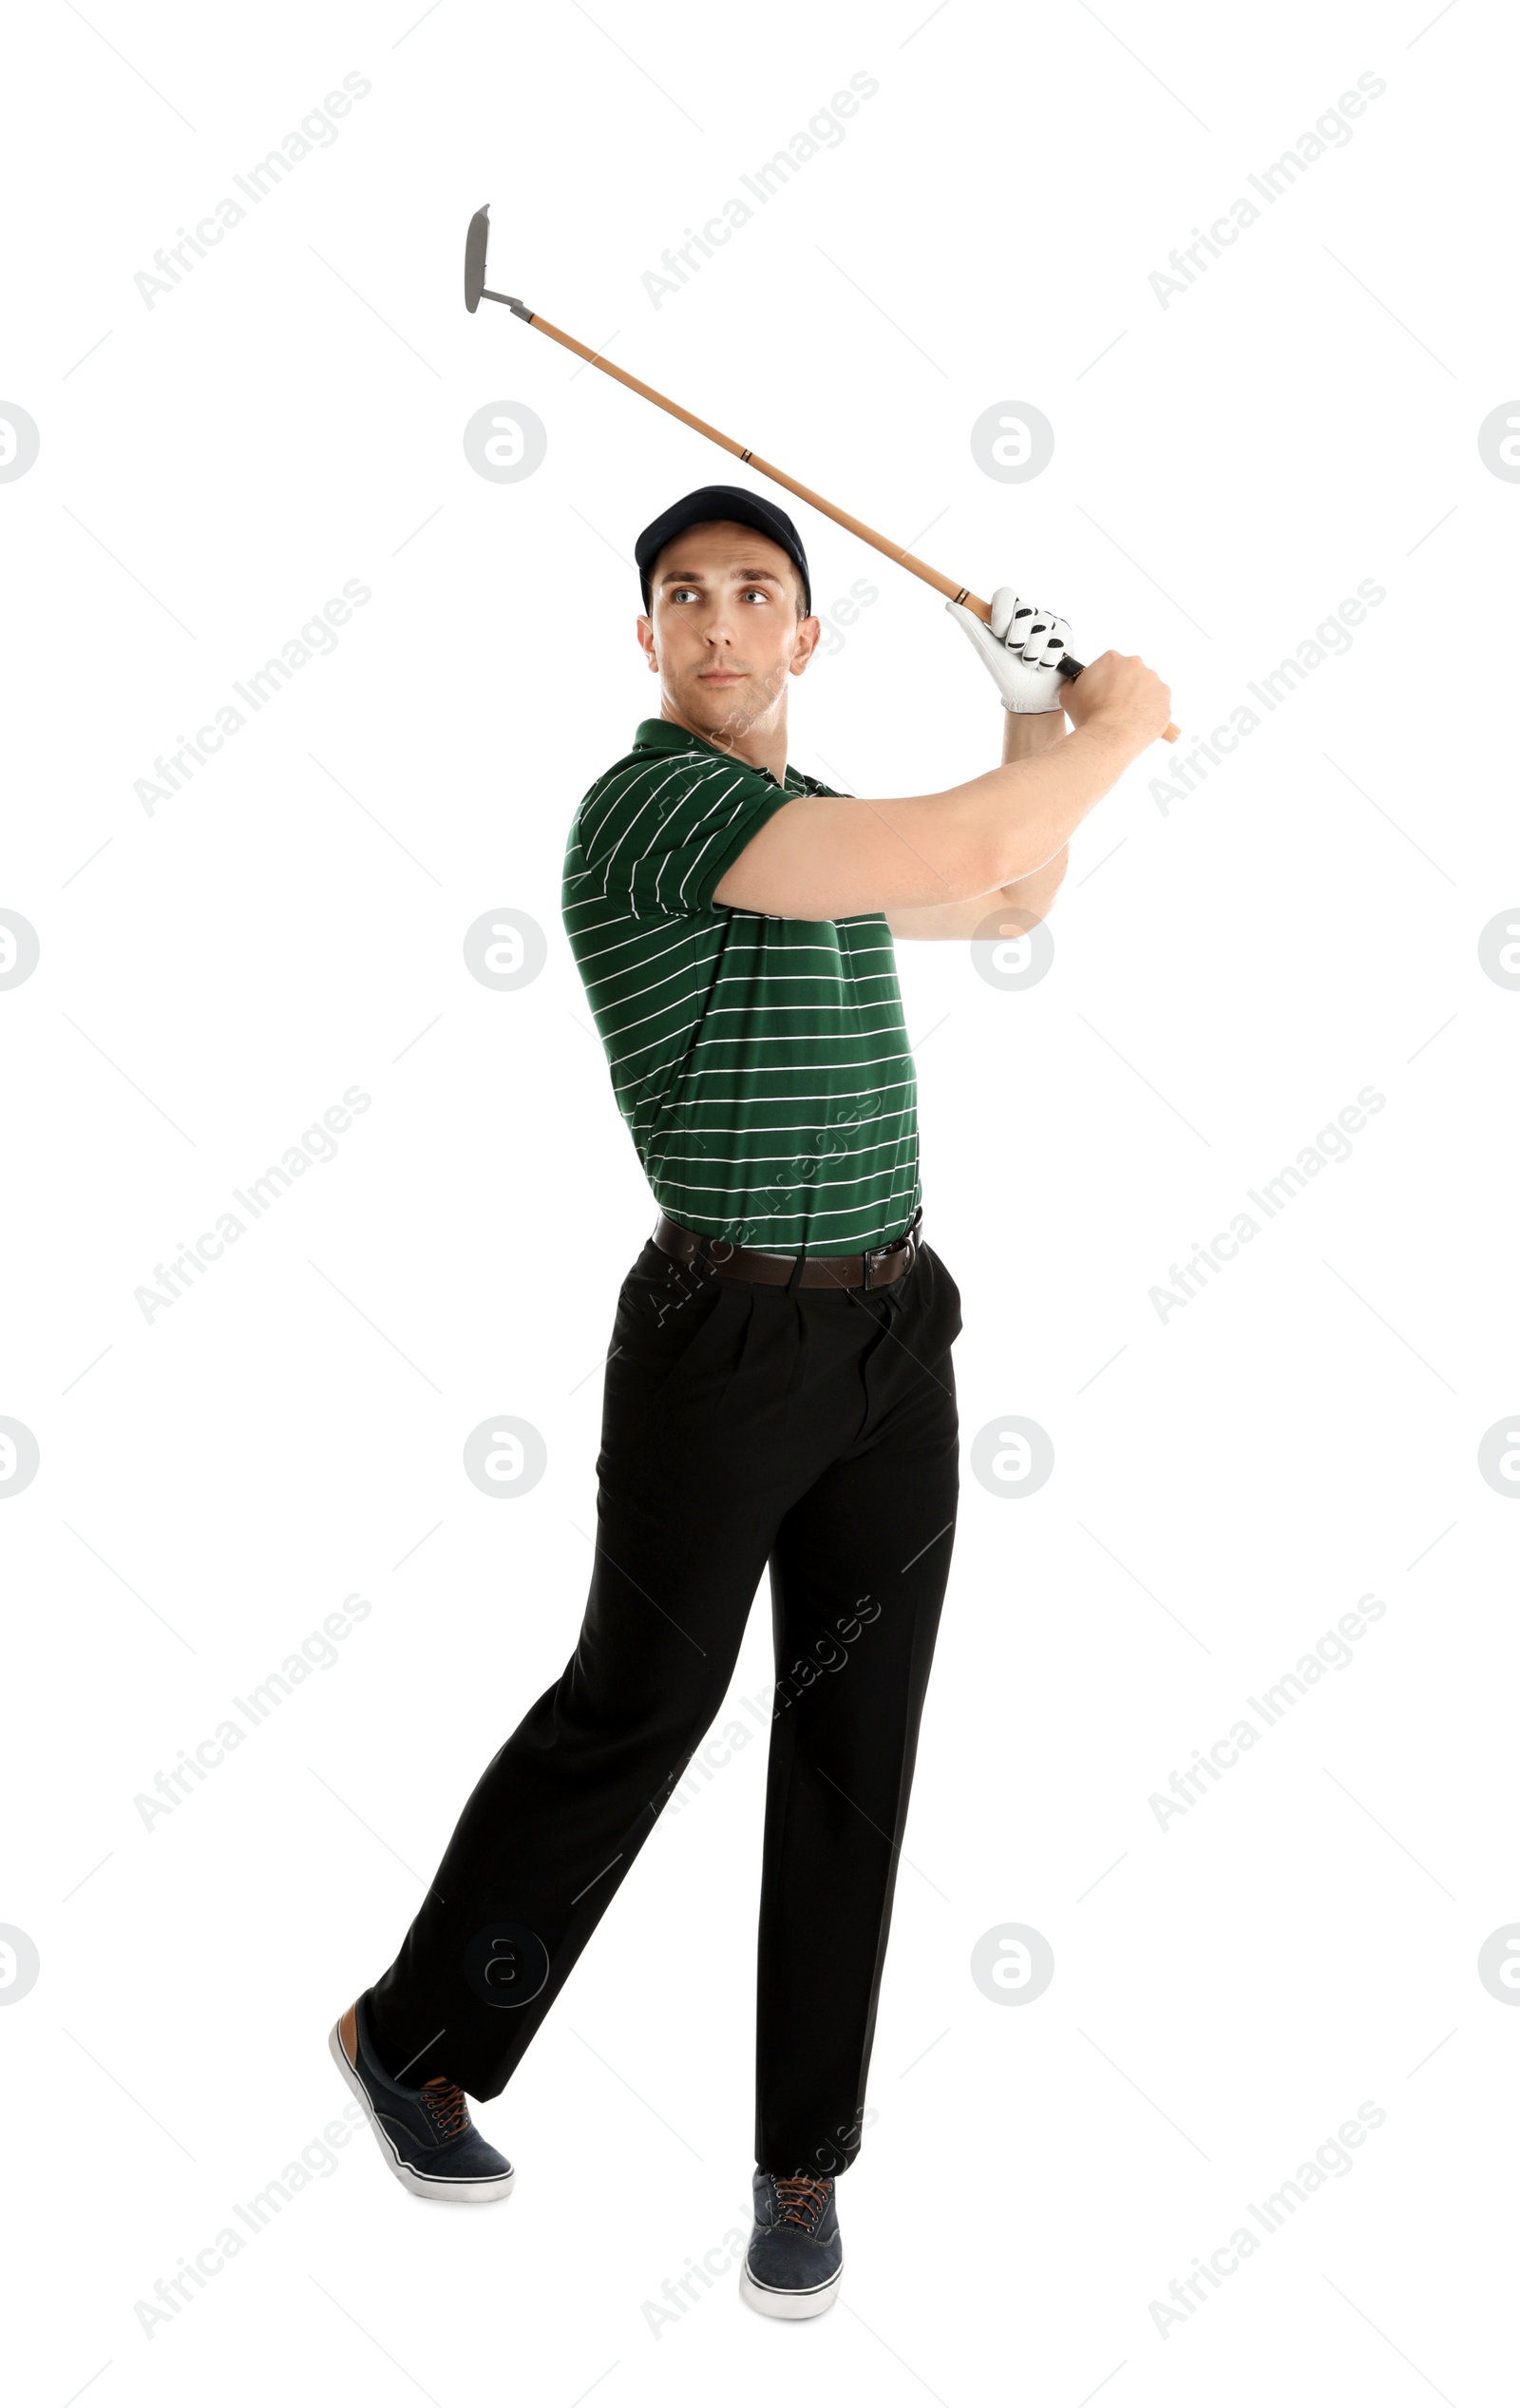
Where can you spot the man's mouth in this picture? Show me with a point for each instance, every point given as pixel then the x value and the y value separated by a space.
pixel 720 676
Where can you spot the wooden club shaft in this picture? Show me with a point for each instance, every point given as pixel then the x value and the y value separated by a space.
pixel 909 561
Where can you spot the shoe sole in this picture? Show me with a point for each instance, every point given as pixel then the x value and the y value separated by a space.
pixel 493 2187
pixel 788 2303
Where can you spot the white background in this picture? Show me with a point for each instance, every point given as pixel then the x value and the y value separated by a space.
pixel 1228 974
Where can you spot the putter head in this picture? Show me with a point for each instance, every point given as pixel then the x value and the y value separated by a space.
pixel 475 242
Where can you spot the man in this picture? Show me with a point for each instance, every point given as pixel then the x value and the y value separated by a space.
pixel 779 1389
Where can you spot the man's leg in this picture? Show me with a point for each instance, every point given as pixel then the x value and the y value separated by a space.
pixel 857 1575
pixel 688 1502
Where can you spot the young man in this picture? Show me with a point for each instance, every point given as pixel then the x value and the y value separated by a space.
pixel 779 1389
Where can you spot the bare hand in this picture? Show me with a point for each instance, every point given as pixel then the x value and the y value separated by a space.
pixel 1116 695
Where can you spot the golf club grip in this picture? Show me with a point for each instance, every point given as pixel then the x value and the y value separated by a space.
pixel 778 476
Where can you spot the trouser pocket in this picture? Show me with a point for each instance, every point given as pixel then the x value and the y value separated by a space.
pixel 665 1310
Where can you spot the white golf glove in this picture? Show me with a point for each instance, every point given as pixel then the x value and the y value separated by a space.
pixel 1021 648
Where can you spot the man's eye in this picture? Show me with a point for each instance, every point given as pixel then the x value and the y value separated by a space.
pixel 758 591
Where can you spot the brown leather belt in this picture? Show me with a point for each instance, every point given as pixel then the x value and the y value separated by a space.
pixel 875 1268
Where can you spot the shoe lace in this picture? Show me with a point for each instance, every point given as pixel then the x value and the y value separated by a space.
pixel 802 2198
pixel 446 2104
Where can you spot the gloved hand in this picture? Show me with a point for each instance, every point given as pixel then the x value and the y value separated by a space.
pixel 1021 648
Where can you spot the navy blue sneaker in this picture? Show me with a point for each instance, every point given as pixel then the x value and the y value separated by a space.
pixel 795 2256
pixel 425 2135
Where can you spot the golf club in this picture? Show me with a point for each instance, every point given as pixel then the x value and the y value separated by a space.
pixel 476 291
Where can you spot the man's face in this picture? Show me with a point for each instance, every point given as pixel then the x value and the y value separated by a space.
pixel 723 633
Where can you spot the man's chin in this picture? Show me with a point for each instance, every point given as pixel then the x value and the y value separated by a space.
pixel 730 708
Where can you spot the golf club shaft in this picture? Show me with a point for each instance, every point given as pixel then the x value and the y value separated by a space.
pixel 942 584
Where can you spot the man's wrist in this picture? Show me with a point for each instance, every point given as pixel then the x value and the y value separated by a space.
pixel 1029 733
pixel 1115 740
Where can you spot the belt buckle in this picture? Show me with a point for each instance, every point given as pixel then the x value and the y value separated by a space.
pixel 878 1253
pixel 874 1254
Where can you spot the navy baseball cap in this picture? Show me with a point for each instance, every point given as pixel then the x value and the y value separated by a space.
pixel 721 502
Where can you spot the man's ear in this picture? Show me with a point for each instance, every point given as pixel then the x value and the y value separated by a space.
pixel 644 630
pixel 808 632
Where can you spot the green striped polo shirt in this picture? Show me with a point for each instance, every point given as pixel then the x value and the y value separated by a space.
pixel 761 1064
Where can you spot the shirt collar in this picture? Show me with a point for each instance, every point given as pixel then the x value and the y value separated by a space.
pixel 663 736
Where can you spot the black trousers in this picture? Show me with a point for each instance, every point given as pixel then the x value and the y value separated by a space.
pixel 743 1426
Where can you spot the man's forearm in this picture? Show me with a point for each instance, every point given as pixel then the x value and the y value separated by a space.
pixel 834 856
pixel 1049 780
pixel 1026 734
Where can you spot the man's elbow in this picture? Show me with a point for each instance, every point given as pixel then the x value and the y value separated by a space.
pixel 1035 890
pixel 1021 859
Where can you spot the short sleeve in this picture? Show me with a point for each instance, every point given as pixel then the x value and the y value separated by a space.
pixel 663 832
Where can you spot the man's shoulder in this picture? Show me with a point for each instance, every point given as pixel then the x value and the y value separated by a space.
pixel 673 786
pixel 672 769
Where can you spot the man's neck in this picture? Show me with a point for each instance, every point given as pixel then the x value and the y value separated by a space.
pixel 760 747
